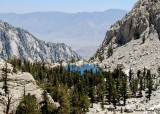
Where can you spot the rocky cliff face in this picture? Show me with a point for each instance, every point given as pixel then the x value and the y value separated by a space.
pixel 125 38
pixel 20 43
pixel 16 84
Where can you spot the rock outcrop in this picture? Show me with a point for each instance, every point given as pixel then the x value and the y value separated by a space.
pixel 16 84
pixel 134 39
pixel 20 43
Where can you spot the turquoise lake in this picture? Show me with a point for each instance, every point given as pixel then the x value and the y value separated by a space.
pixel 83 68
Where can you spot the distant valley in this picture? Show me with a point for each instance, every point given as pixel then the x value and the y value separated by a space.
pixel 78 30
pixel 41 76
pixel 85 51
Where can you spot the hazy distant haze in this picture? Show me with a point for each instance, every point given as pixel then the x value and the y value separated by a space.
pixel 68 6
pixel 75 29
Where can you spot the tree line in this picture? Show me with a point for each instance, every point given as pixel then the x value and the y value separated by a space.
pixel 77 92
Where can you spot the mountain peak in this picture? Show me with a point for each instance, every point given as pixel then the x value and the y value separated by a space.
pixel 126 35
pixel 143 15
pixel 147 4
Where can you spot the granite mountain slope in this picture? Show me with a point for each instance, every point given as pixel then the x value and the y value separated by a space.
pixel 20 43
pixel 126 37
pixel 78 30
pixel 16 84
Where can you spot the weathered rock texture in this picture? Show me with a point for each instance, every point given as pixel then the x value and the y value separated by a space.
pixel 17 83
pixel 20 43
pixel 125 37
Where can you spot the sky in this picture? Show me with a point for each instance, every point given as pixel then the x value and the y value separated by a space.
pixel 69 6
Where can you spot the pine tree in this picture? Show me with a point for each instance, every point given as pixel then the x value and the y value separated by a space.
pixel 148 77
pixel 28 105
pixel 134 86
pixel 114 96
pixel 144 78
pixel 92 95
pixel 130 75
pixel 84 103
pixel 110 51
pixel 101 90
pixel 74 102
pixel 46 106
pixel 109 85
pixel 149 84
pixel 63 101
pixel 124 89
pixel 44 103
pixel 143 40
pixel 5 78
pixel 140 82
pixel 9 103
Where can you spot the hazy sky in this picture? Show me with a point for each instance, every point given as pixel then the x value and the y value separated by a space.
pixel 25 6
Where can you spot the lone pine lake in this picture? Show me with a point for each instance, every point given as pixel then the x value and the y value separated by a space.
pixel 83 68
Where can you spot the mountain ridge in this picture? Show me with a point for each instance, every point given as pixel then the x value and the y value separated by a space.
pixel 112 9
pixel 142 22
pixel 74 29
pixel 20 43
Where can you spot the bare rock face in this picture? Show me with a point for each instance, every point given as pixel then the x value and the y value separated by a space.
pixel 17 83
pixel 20 43
pixel 126 35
